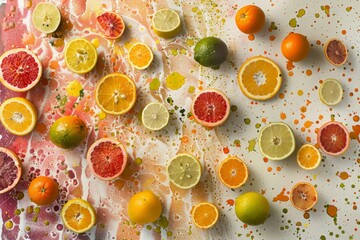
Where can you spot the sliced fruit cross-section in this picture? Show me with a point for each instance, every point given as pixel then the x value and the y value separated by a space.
pixel 140 56
pixel 233 172
pixel 333 138
pixel 10 170
pixel 331 92
pixel 205 215
pixel 335 52
pixel 303 196
pixel 155 116
pixel 112 24
pixel 308 157
pixel 166 23
pixel 46 17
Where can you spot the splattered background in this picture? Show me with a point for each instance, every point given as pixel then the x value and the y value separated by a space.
pixel 174 78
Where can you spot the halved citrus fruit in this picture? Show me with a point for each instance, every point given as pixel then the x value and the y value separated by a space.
pixel 276 141
pixel 205 215
pixel 308 157
pixel 140 56
pixel 112 24
pixel 184 171
pixel 46 17
pixel 107 158
pixel 210 107
pixel 10 170
pixel 259 78
pixel 115 94
pixel 303 196
pixel 335 52
pixel 20 69
pixel 43 190
pixel 80 55
pixel 166 23
pixel 333 138
pixel 78 215
pixel 18 115
pixel 331 92
pixel 155 116
pixel 233 172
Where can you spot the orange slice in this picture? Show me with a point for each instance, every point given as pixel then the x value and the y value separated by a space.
pixel 259 78
pixel 115 94
pixel 308 157
pixel 233 172
pixel 140 56
pixel 303 196
pixel 205 215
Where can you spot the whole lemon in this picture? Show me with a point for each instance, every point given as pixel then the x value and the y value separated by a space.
pixel 144 207
pixel 252 208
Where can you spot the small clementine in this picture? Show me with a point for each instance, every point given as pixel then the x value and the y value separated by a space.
pixel 43 190
pixel 250 19
pixel 295 47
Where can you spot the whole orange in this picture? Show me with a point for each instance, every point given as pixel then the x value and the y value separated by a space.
pixel 43 190
pixel 295 47
pixel 250 19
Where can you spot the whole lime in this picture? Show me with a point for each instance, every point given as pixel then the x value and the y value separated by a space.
pixel 252 208
pixel 210 52
pixel 68 132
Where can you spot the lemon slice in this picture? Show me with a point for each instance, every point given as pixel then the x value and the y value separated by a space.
pixel 80 55
pixel 18 115
pixel 166 23
pixel 155 116
pixel 46 17
pixel 276 141
pixel 330 92
pixel 184 171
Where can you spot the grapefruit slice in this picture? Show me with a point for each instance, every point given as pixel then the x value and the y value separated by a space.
pixel 10 170
pixel 107 158
pixel 303 196
pixel 335 52
pixel 333 138
pixel 20 69
pixel 210 107
pixel 112 25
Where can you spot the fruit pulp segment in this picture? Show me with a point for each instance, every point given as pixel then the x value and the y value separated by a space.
pixel 166 20
pixel 333 138
pixel 304 196
pixel 111 23
pixel 17 116
pixel 210 107
pixel 233 172
pixel 78 217
pixel 205 215
pixel 8 171
pixel 185 171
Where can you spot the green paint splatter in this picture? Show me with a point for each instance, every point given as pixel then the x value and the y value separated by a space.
pixel 46 222
pixel 154 84
pixel 322 237
pixel 342 185
pixel 175 81
pixel 293 22
pixel 17 212
pixel 247 121
pixel 174 52
pixel 9 224
pixel 237 143
pixel 301 13
pixel 251 146
pixel 163 222
pixel 285 210
pixel 158 229
pixel 27 228
pixel 326 9
pixel 348 9
pixel 30 209
pixel 169 233
pixel 273 26
pixel 170 101
pixel 148 227
pixel 190 42
pixel 37 210
pixel 258 125
pixel 138 161
pixel 191 89
pixel 19 195
pixel 233 108
pixel 317 15
pixel 183 51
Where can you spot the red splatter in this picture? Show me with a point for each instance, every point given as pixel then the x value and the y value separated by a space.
pixel 230 202
pixel 226 150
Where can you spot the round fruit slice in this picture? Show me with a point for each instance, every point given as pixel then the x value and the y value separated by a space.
pixel 155 116
pixel 46 17
pixel 112 24
pixel 276 141
pixel 233 172
pixel 10 170
pixel 184 171
pixel 308 157
pixel 333 138
pixel 107 158
pixel 210 107
pixel 78 215
pixel 115 94
pixel 259 78
pixel 20 69
pixel 80 55
pixel 205 215
pixel 303 196
pixel 166 23
pixel 331 92
pixel 335 52
pixel 18 115
pixel 140 56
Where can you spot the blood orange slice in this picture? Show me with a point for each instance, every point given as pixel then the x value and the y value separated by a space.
pixel 333 138
pixel 112 24
pixel 107 158
pixel 335 52
pixel 210 107
pixel 20 69
pixel 10 170
pixel 303 196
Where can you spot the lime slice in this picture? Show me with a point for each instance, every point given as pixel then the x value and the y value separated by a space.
pixel 184 171
pixel 166 23
pixel 46 17
pixel 330 92
pixel 155 116
pixel 276 141
pixel 80 55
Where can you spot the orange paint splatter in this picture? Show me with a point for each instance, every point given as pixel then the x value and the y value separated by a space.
pixel 331 210
pixel 306 215
pixel 281 96
pixel 278 169
pixel 343 32
pixel 54 65
pixel 355 134
pixel 272 38
pixel 291 73
pixel 282 115
pixel 318 42
pixel 226 150
pixel 40 128
pixel 269 169
pixel 296 121
pixel 28 39
pixel 300 92
pixel 251 37
pixel 308 124
pixel 356 118
pixel 185 139
pixel 289 65
pixel 265 159
pixel 303 109
pixel 308 139
pixel 281 197
pixel 230 202
pixel 321 117
pixel 344 175
pixel 263 120
pixel 308 72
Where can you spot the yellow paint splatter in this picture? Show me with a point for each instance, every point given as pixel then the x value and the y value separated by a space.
pixel 251 146
pixel 102 115
pixel 301 13
pixel 95 42
pixel 175 81
pixel 190 42
pixel 293 22
pixel 74 88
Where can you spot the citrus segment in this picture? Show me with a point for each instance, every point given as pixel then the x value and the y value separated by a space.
pixel 308 157
pixel 250 19
pixel 210 107
pixel 166 23
pixel 20 69
pixel 259 78
pixel 155 116
pixel 43 190
pixel 10 170
pixel 78 215
pixel 184 171
pixel 333 138
pixel 18 115
pixel 303 196
pixel 335 52
pixel 140 56
pixel 112 24
pixel 331 92
pixel 252 208
pixel 80 55
pixel 205 215
pixel 46 17
pixel 276 141
pixel 115 94
pixel 107 158
pixel 233 172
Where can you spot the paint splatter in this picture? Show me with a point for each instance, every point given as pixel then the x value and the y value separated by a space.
pixel 331 210
pixel 230 202
pixel 175 81
pixel 74 88
pixel 293 23
pixel 301 13
pixel 251 146
pixel 355 134
pixel 344 175
pixel 281 197
pixel 154 84
pixel 326 10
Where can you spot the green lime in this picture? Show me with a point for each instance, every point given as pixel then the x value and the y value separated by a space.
pixel 252 208
pixel 46 17
pixel 211 52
